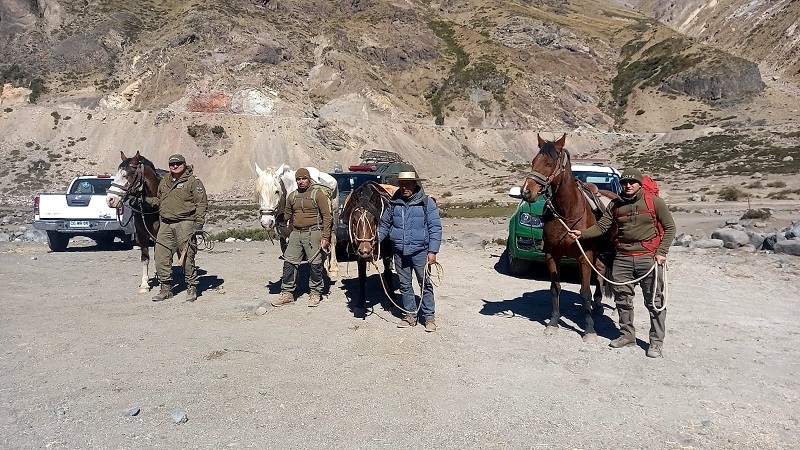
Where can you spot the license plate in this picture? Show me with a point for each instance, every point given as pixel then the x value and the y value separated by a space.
pixel 78 224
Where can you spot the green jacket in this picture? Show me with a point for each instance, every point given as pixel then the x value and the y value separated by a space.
pixel 634 229
pixel 181 199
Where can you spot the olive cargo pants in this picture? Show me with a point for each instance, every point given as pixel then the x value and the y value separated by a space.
pixel 627 268
pixel 176 237
pixel 303 243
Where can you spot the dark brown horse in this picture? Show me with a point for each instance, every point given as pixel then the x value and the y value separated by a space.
pixel 136 179
pixel 362 213
pixel 566 208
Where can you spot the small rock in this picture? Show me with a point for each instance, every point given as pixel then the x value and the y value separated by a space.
pixel 179 416
pixel 130 412
pixel 33 258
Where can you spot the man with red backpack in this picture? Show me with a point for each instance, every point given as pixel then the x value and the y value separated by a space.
pixel 642 231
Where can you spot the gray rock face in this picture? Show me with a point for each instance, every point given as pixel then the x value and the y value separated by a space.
pixel 732 79
pixel 709 243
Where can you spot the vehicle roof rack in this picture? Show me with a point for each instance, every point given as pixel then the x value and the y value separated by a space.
pixel 379 156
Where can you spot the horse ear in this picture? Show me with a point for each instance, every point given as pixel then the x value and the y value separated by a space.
pixel 259 172
pixel 122 155
pixel 136 156
pixel 560 143
pixel 541 141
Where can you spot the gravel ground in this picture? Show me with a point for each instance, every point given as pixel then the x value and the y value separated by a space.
pixel 82 347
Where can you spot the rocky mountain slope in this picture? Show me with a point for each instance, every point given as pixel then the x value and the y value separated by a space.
pixel 459 87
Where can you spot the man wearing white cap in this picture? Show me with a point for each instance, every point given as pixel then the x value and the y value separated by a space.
pixel 413 225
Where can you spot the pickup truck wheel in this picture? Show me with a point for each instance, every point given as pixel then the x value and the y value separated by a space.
pixel 104 241
pixel 516 266
pixel 57 241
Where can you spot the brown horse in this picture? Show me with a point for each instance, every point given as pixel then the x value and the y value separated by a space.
pixel 566 208
pixel 362 213
pixel 137 178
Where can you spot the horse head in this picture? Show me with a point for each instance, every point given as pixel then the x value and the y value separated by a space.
pixel 547 169
pixel 363 212
pixel 271 195
pixel 130 179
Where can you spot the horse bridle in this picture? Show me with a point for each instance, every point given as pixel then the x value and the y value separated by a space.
pixel 546 181
pixel 362 219
pixel 135 186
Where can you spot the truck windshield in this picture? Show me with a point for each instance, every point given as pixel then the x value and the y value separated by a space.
pixel 93 186
pixel 349 181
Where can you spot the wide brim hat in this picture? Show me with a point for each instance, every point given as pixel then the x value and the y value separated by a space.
pixel 177 158
pixel 408 174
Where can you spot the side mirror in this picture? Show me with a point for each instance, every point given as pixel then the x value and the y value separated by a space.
pixel 515 192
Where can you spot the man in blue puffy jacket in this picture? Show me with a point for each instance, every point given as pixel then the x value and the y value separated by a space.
pixel 413 225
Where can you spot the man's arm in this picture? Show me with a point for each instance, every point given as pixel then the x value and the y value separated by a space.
pixel 200 202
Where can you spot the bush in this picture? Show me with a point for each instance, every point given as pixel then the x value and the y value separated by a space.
pixel 760 214
pixel 776 184
pixel 256 234
pixel 731 193
pixel 447 194
pixel 218 130
pixel 192 130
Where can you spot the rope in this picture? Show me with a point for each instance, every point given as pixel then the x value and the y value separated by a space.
pixel 654 268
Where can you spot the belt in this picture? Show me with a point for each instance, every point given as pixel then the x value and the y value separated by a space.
pixel 171 221
pixel 311 228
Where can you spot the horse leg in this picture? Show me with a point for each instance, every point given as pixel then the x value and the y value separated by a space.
pixel 589 334
pixel 333 263
pixel 360 309
pixel 144 246
pixel 601 289
pixel 555 293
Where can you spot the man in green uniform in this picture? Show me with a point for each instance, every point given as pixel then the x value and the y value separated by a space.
pixel 643 230
pixel 308 211
pixel 182 204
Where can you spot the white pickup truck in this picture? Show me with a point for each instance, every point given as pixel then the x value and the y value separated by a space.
pixel 82 211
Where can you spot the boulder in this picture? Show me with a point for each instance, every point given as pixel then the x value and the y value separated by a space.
pixel 731 238
pixel 709 243
pixel 788 247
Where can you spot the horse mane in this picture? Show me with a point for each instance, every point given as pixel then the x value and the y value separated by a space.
pixel 261 181
pixel 549 149
pixel 364 197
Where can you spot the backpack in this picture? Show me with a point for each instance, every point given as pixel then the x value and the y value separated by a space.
pixel 650 189
pixel 314 188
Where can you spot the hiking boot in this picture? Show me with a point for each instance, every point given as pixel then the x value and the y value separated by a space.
pixel 191 294
pixel 314 299
pixel 165 293
pixel 430 325
pixel 654 351
pixel 284 299
pixel 622 341
pixel 407 322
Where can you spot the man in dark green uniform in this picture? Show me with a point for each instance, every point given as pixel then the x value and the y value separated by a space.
pixel 640 244
pixel 182 204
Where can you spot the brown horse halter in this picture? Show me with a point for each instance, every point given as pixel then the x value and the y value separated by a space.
pixel 362 221
pixel 546 183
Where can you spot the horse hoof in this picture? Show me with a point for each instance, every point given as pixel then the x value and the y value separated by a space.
pixel 549 331
pixel 590 337
pixel 144 290
pixel 360 313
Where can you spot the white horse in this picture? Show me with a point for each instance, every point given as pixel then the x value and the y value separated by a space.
pixel 273 186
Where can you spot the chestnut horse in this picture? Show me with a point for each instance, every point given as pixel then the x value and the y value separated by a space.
pixel 136 179
pixel 566 208
pixel 362 212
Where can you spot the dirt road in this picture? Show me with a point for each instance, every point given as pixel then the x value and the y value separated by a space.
pixel 81 346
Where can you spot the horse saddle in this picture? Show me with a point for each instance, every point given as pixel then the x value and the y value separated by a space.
pixel 597 201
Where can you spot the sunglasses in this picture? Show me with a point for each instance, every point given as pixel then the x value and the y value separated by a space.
pixel 175 164
pixel 624 182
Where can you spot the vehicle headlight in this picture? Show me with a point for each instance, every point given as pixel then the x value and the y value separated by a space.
pixel 530 220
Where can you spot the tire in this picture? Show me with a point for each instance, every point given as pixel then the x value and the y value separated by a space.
pixel 57 241
pixel 104 240
pixel 516 266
